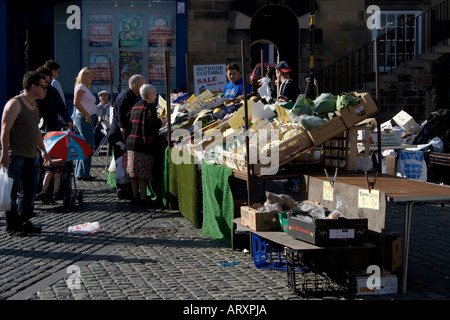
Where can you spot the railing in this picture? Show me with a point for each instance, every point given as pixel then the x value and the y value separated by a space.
pixel 415 36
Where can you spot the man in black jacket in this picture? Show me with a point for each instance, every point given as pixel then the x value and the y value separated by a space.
pixel 120 125
pixel 52 106
pixel 288 89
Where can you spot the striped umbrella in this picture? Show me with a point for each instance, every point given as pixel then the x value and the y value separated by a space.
pixel 67 146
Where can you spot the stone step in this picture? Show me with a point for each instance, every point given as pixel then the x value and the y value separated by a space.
pixel 441 49
pixel 430 56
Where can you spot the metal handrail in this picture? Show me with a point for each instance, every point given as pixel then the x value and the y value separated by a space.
pixel 357 69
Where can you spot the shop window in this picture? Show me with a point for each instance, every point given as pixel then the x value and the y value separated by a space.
pixel 134 35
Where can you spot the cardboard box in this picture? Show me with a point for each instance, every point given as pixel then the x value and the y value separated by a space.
pixel 329 232
pixel 391 138
pixel 405 121
pixel 391 165
pixel 392 252
pixel 353 115
pixel 388 285
pixel 259 221
pixel 328 130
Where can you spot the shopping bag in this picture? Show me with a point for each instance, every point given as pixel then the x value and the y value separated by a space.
pixel 121 175
pixel 85 228
pixel 6 184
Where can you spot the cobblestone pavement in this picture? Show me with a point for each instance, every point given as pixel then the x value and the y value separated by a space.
pixel 153 254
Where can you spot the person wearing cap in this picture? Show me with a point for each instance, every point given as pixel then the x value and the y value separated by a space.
pixel 288 89
pixel 235 87
pixel 288 92
pixel 103 115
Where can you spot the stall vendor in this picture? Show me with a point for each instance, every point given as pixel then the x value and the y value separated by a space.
pixel 235 87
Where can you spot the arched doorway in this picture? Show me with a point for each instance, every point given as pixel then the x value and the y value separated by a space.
pixel 275 25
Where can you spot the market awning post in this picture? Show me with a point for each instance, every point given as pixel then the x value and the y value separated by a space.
pixel 247 142
pixel 168 113
pixel 377 99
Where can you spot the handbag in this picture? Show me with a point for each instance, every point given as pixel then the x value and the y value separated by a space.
pixel 6 184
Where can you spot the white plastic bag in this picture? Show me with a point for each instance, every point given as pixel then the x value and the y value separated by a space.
pixel 6 184
pixel 121 175
pixel 85 228
pixel 264 91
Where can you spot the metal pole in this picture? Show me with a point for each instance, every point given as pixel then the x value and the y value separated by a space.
pixel 247 141
pixel 187 72
pixel 26 53
pixel 168 113
pixel 312 20
pixel 111 82
pixel 377 99
pixel 119 46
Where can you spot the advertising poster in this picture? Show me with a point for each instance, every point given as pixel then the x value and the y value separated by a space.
pixel 211 77
pixel 159 31
pixel 100 30
pixel 131 64
pixel 130 30
pixel 98 62
pixel 156 68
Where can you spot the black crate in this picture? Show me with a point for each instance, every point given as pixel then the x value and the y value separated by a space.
pixel 329 232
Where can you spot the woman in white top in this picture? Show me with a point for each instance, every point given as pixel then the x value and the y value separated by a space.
pixel 85 118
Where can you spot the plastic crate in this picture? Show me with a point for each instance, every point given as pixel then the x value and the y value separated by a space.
pixel 268 254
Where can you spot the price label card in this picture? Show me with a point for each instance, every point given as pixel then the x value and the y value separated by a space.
pixel 327 191
pixel 369 200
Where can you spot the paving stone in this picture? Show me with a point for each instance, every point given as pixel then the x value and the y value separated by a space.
pixel 150 254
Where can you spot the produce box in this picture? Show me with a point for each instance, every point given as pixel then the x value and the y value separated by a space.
pixel 392 252
pixel 352 115
pixel 329 232
pixel 391 137
pixel 259 221
pixel 328 130
pixel 283 221
pixel 388 284
pixel 407 122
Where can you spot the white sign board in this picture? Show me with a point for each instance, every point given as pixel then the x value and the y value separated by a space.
pixel 212 77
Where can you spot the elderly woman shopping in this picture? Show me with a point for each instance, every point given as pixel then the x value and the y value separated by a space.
pixel 145 126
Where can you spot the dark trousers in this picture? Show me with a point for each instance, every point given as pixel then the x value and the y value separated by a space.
pixel 24 172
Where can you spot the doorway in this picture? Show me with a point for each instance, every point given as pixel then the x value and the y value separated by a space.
pixel 275 26
pixel 37 37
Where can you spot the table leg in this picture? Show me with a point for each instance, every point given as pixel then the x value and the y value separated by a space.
pixel 408 217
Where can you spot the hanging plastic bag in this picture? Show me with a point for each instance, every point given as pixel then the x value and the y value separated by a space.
pixel 121 175
pixel 6 184
pixel 264 91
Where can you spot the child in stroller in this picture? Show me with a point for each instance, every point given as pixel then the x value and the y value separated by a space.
pixel 62 174
pixel 53 171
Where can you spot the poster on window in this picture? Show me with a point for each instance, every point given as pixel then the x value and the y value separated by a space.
pixel 98 62
pixel 100 30
pixel 130 30
pixel 156 67
pixel 159 31
pixel 210 77
pixel 131 63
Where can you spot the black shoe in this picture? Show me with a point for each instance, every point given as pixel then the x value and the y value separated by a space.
pixel 58 196
pixel 41 196
pixel 17 233
pixel 29 228
pixel 148 202
pixel 90 178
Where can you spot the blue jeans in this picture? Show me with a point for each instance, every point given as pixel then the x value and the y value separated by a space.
pixel 83 167
pixel 25 172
